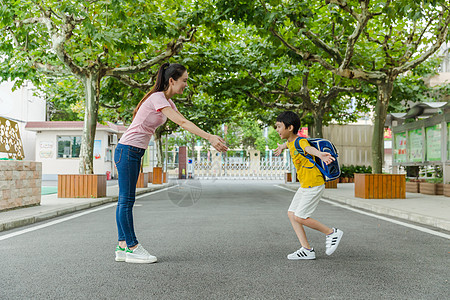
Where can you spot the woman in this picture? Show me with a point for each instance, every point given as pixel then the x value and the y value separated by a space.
pixel 151 112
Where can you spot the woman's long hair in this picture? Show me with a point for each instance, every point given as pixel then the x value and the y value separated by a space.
pixel 165 72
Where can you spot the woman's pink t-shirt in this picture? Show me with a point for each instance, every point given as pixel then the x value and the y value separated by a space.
pixel 147 119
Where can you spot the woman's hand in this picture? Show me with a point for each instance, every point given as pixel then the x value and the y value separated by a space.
pixel 280 149
pixel 218 143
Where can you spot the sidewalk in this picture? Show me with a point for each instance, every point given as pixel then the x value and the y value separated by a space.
pixel 52 206
pixel 419 208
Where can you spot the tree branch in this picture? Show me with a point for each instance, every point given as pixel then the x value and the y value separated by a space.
pixel 133 83
pixel 58 38
pixel 173 48
pixel 440 39
pixel 305 55
pixel 110 106
pixel 321 44
pixel 362 21
pixel 275 104
pixel 411 46
pixel 343 5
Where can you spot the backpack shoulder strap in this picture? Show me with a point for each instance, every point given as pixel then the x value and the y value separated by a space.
pixel 297 146
pixel 305 155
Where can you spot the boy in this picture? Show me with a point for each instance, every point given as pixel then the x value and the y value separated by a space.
pixel 312 185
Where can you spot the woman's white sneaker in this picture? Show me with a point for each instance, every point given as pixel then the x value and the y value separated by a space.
pixel 139 256
pixel 333 240
pixel 302 253
pixel 120 253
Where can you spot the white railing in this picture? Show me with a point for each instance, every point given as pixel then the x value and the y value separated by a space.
pixel 244 168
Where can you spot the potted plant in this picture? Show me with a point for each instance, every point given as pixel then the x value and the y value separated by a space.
pixel 344 174
pixel 351 173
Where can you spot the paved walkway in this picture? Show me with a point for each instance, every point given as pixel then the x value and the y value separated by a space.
pixel 423 209
pixel 419 208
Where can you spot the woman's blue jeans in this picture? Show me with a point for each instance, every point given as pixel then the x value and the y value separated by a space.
pixel 128 162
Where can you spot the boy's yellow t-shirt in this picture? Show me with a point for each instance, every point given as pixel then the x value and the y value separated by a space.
pixel 307 173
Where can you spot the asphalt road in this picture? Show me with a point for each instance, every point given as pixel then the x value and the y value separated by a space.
pixel 223 240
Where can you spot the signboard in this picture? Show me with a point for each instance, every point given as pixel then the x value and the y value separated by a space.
pixel 46 149
pixel 10 141
pixel 400 147
pixel 433 138
pixel 415 145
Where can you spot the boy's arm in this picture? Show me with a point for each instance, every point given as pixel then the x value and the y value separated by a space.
pixel 324 156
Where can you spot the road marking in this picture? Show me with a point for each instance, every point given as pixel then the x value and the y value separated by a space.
pixel 423 229
pixel 37 227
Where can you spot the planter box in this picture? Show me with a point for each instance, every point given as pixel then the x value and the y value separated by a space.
pixel 287 177
pixel 142 180
pixel 157 175
pixel 82 186
pixel 150 177
pixel 412 187
pixel 165 177
pixel 447 190
pixel 439 189
pixel 380 186
pixel 331 184
pixel 428 188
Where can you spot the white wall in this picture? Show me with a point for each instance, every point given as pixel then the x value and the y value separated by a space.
pixel 47 151
pixel 22 106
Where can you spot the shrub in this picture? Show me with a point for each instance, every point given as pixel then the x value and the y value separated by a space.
pixel 434 180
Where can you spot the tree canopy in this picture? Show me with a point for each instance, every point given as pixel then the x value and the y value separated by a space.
pixel 247 60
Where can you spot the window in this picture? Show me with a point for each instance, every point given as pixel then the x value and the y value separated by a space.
pixel 69 146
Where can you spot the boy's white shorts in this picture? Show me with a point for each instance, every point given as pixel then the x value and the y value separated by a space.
pixel 305 201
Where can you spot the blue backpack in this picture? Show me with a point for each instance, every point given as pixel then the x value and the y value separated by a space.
pixel 330 172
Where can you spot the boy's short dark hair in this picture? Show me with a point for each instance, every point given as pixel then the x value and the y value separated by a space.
pixel 289 118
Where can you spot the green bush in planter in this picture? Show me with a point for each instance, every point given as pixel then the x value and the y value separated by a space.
pixel 344 171
pixel 434 180
pixel 351 171
pixel 367 169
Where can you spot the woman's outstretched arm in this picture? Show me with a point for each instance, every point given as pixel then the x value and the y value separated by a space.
pixel 216 141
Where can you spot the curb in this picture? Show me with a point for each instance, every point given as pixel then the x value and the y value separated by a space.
pixel 71 209
pixel 392 212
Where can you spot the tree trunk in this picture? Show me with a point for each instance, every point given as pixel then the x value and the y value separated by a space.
pixel 193 146
pixel 318 125
pixel 384 94
pixel 158 143
pixel 91 90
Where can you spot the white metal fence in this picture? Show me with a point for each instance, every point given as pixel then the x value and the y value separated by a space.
pixel 244 168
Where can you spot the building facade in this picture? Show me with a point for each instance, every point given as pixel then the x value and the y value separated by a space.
pixel 58 146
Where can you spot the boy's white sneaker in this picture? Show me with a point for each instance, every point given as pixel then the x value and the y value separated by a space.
pixel 120 253
pixel 302 253
pixel 333 240
pixel 139 256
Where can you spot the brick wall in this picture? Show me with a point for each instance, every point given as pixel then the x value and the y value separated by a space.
pixel 20 183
